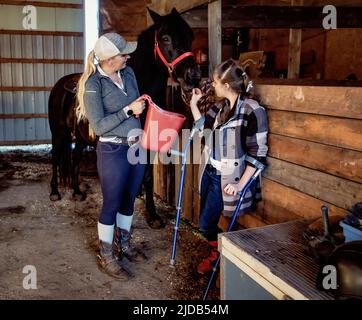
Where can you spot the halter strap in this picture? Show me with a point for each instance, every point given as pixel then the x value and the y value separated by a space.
pixel 170 65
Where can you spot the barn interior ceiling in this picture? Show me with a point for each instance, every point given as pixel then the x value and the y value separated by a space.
pixel 235 13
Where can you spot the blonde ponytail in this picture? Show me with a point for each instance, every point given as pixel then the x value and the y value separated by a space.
pixel 89 69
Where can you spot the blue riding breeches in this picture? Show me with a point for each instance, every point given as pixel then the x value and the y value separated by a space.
pixel 120 181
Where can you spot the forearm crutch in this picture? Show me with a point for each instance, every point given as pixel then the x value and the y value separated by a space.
pixel 259 168
pixel 197 125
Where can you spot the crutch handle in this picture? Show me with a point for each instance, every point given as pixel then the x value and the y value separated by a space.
pixel 175 153
pixel 255 162
pixel 197 125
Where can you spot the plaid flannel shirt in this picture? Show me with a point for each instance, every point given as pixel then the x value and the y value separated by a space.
pixel 245 133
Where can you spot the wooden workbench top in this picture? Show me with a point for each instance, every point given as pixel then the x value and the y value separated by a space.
pixel 277 257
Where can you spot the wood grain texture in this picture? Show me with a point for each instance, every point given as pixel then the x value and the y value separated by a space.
pixel 338 191
pixel 282 204
pixel 43 33
pixel 295 43
pixel 278 254
pixel 24 116
pixel 164 7
pixel 345 102
pixel 339 132
pixel 33 61
pixel 42 4
pixel 25 88
pixel 337 161
pixel 215 34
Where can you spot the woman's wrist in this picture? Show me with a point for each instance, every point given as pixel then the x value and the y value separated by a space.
pixel 249 171
pixel 193 106
pixel 128 111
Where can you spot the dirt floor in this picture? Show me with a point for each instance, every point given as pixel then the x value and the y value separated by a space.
pixel 60 238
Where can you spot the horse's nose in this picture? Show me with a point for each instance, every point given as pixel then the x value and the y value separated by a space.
pixel 193 76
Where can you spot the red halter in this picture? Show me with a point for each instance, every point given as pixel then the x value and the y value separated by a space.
pixel 170 65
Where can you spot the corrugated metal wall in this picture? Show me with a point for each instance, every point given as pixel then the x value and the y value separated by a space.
pixel 30 64
pixel 43 76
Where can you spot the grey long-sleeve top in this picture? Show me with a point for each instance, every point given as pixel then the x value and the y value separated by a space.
pixel 104 103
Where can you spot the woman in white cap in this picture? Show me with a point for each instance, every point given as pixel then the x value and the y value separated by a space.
pixel 108 97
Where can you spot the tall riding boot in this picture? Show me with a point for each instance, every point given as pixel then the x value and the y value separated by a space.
pixel 122 241
pixel 109 263
pixel 208 263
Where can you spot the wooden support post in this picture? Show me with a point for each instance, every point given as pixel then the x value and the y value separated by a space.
pixel 295 43
pixel 214 24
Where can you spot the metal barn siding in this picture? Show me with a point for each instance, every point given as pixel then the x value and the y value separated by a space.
pixel 23 110
pixel 31 62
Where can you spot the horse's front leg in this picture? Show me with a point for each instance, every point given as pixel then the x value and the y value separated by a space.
pixel 152 218
pixel 56 156
pixel 77 157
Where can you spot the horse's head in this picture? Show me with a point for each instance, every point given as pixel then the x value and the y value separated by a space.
pixel 173 41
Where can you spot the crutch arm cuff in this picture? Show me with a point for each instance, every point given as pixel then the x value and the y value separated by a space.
pixel 254 162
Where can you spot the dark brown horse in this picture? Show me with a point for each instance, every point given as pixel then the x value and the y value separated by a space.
pixel 164 50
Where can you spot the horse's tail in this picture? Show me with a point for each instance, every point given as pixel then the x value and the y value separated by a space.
pixel 61 121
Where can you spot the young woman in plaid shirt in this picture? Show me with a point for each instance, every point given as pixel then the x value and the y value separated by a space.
pixel 234 128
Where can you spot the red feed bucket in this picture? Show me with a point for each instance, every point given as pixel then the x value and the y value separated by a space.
pixel 161 127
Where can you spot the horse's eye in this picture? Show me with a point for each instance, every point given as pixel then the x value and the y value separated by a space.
pixel 166 39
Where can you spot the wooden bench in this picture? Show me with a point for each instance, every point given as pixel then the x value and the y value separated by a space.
pixel 270 262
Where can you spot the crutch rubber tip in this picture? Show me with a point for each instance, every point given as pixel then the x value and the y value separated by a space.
pixel 172 262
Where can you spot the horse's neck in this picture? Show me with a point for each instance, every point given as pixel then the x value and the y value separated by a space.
pixel 143 58
pixel 151 76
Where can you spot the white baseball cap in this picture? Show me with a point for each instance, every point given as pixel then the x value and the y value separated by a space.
pixel 111 44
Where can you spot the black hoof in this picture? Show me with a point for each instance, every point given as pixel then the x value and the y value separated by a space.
pixel 155 222
pixel 55 196
pixel 79 196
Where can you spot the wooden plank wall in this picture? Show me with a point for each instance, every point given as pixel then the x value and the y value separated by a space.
pixel 129 18
pixel 315 153
pixel 338 66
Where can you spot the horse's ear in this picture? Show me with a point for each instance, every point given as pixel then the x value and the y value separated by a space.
pixel 154 15
pixel 175 12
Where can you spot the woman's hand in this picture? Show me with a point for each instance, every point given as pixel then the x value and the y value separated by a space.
pixel 138 106
pixel 196 95
pixel 233 189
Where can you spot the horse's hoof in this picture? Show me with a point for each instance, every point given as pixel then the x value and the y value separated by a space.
pixel 156 223
pixel 79 196
pixel 55 197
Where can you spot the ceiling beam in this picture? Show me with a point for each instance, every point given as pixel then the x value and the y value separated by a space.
pixel 277 17
pixel 163 7
pixel 287 3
